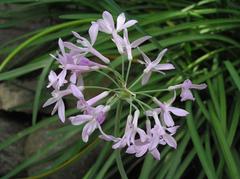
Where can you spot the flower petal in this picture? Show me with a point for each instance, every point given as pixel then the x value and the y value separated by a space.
pixel 76 92
pixel 107 17
pixel 142 134
pixel 186 94
pixel 61 110
pixel 50 101
pixel 146 77
pixel 139 41
pixel 159 57
pixel 129 24
pixel 175 87
pixel 73 78
pixel 80 119
pixel 120 144
pixel 97 98
pixel 99 55
pixel 199 87
pixel 166 66
pixel 127 45
pixel 61 77
pixel 154 141
pixel 103 27
pixel 170 140
pixel 178 111
pixel 93 32
pixel 120 21
pixel 168 119
pixel 141 150
pixel 61 46
pixel 173 129
pixel 131 150
pixel 156 154
pixel 145 57
pixel 88 130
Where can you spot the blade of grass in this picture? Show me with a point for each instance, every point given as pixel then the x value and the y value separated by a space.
pixel 233 72
pixel 37 97
pixel 210 172
pixel 39 35
pixel 147 166
pixel 117 151
pixel 23 70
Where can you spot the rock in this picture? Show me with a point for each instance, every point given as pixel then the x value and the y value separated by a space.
pixel 17 94
pixel 41 138
pixel 13 154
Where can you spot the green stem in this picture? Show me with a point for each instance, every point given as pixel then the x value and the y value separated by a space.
pixel 123 66
pixel 144 104
pixel 99 87
pixel 135 82
pixel 128 70
pixel 151 91
pixel 109 77
pixel 117 74
pixel 117 152
pixel 143 94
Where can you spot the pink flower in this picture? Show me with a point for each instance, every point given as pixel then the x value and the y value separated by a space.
pixel 57 96
pixel 86 46
pixel 125 47
pixel 186 94
pixel 165 109
pixel 139 148
pixel 82 65
pixel 106 24
pixel 82 103
pixel 130 132
pixel 76 63
pixel 160 136
pixel 93 118
pixel 56 81
pixel 153 66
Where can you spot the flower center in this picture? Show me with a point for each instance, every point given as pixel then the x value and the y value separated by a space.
pixel 126 94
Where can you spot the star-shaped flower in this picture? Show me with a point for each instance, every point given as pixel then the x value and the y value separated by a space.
pixel 166 108
pixel 107 25
pixel 130 132
pixel 153 66
pixel 57 96
pixel 186 94
pixel 86 46
pixel 139 148
pixel 124 45
pixel 93 118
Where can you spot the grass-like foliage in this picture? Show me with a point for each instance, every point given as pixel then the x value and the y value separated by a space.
pixel 203 42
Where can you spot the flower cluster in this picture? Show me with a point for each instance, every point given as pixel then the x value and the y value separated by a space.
pixel 74 63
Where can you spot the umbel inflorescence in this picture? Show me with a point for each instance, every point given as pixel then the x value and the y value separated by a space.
pixel 160 127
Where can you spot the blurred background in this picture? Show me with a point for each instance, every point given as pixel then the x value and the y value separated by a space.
pixel 204 45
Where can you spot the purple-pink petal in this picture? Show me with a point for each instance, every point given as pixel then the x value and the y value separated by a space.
pixel 97 98
pixel 178 111
pixel 93 32
pixel 170 140
pixel 61 110
pixel 168 119
pixel 80 119
pixel 155 153
pixel 76 92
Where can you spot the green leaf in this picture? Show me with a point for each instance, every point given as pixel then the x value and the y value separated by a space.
pixel 233 72
pixel 39 90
